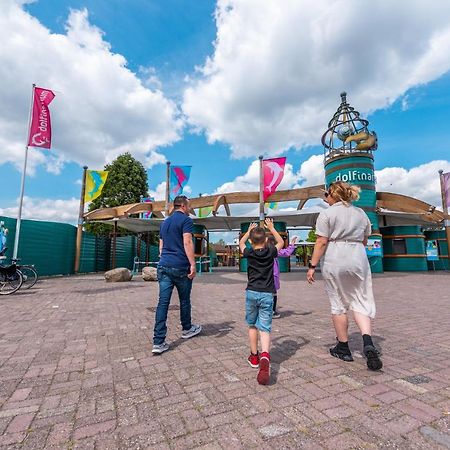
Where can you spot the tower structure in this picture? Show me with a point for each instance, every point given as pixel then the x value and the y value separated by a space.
pixel 348 156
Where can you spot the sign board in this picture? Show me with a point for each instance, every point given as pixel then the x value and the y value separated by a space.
pixel 373 247
pixel 432 250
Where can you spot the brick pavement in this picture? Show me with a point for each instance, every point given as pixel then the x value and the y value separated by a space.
pixel 77 372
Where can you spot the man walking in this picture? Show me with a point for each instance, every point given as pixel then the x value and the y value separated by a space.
pixel 176 268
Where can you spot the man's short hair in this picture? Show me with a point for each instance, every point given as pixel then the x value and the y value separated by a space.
pixel 179 201
pixel 258 236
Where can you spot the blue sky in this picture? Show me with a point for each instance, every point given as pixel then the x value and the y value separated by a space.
pixel 166 42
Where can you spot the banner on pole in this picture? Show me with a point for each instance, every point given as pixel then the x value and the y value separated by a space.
pixel 179 176
pixel 205 211
pixel 273 172
pixel 147 214
pixel 40 128
pixel 95 180
pixel 446 187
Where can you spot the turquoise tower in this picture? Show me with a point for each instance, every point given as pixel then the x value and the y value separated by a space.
pixel 348 156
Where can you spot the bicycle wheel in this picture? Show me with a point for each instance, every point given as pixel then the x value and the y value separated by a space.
pixel 30 276
pixel 10 282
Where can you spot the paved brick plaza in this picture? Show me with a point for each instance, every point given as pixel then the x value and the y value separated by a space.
pixel 77 371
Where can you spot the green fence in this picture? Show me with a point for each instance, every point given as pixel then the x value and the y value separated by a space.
pixel 50 246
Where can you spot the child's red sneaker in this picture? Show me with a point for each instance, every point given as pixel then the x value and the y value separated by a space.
pixel 264 368
pixel 253 360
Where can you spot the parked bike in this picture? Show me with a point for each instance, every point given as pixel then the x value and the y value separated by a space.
pixel 11 279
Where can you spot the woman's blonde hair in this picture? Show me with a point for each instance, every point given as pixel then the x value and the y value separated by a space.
pixel 344 192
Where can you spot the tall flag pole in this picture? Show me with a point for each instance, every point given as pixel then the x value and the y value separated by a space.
pixel 261 192
pixel 22 183
pixel 80 222
pixel 39 134
pixel 445 193
pixel 166 209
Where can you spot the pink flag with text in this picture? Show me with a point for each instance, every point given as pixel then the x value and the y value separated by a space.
pixel 273 172
pixel 446 185
pixel 40 128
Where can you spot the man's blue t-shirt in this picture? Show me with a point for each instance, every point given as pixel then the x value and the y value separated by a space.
pixel 171 232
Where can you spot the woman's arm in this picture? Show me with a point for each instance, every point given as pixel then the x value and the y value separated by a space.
pixel 319 249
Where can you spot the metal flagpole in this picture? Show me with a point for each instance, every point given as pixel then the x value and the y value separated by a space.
pixel 80 222
pixel 445 209
pixel 22 185
pixel 261 192
pixel 167 188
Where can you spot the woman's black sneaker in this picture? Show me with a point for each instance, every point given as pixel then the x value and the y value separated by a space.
pixel 373 358
pixel 337 352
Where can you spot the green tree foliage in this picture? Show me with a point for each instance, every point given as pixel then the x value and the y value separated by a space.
pixel 220 242
pixel 312 236
pixel 126 182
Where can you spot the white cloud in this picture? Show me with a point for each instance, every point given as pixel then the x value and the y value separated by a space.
pixel 53 210
pixel 160 192
pixel 101 109
pixel 421 182
pixel 278 67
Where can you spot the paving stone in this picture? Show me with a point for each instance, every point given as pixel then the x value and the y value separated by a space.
pixel 83 375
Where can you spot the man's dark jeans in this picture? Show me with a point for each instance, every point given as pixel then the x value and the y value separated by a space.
pixel 168 278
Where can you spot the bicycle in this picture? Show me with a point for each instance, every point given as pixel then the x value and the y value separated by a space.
pixel 29 273
pixel 11 279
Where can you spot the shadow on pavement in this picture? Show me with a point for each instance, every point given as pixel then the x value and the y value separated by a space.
pixel 290 312
pixel 283 348
pixel 216 330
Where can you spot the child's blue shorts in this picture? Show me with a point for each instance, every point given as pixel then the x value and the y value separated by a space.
pixel 259 310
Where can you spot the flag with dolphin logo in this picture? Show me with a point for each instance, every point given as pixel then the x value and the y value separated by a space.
pixel 179 176
pixel 95 180
pixel 273 172
pixel 40 133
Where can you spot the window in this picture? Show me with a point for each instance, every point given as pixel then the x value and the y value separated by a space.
pixel 399 246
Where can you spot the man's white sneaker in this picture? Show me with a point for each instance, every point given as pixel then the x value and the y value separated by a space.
pixel 193 331
pixel 160 348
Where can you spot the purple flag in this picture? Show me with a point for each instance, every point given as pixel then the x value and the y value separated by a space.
pixel 446 187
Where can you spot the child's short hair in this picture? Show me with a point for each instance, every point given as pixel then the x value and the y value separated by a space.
pixel 258 236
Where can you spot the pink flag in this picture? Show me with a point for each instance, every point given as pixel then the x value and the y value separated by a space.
pixel 446 186
pixel 40 129
pixel 273 171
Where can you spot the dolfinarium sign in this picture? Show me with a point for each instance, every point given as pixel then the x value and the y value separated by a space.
pixel 356 177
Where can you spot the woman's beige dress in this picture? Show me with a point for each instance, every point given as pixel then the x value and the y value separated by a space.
pixel 345 267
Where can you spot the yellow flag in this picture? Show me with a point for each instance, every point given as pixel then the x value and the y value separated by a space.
pixel 95 180
pixel 205 212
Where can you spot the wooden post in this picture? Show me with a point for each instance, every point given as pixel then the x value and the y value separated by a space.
pixel 445 209
pixel 114 245
pixel 261 192
pixel 80 223
pixel 167 189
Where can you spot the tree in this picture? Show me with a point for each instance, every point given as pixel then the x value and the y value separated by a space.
pixel 220 242
pixel 312 236
pixel 126 182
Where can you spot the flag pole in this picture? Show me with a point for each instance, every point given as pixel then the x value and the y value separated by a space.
pixel 22 184
pixel 261 192
pixel 167 189
pixel 80 222
pixel 445 209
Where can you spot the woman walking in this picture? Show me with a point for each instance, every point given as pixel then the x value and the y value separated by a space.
pixel 342 231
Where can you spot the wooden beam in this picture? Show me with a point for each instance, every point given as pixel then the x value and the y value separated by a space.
pixel 221 200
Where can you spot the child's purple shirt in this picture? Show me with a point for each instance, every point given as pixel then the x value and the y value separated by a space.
pixel 284 253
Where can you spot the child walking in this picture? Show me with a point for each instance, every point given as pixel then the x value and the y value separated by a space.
pixel 283 253
pixel 259 296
